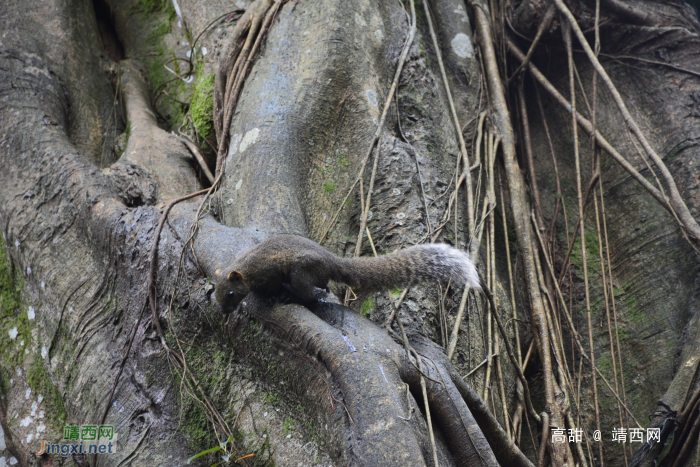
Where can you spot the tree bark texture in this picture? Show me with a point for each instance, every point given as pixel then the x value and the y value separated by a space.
pixel 91 96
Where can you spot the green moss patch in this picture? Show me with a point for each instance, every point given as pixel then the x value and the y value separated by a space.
pixel 14 324
pixel 288 426
pixel 41 384
pixel 202 105
pixel 150 7
pixel 195 426
pixel 157 17
pixel 271 398
pixel 329 187
pixel 367 307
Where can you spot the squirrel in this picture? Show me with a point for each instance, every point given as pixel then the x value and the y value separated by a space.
pixel 304 264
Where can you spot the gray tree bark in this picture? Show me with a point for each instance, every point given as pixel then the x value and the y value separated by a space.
pixel 90 160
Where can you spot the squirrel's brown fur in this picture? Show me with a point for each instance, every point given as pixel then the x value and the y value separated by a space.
pixel 304 264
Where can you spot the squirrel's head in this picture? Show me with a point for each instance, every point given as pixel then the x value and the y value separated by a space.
pixel 230 290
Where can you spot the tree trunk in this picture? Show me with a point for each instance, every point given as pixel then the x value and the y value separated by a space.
pixel 110 110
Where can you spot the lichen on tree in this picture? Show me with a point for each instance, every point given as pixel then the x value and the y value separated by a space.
pixel 145 145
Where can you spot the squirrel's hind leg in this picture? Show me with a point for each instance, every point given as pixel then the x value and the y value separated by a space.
pixel 302 285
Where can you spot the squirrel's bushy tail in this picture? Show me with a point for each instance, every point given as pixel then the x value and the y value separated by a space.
pixel 409 267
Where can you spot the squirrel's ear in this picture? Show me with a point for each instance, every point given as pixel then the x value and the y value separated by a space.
pixel 216 274
pixel 235 276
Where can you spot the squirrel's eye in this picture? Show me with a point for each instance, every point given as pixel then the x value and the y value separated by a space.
pixel 230 293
